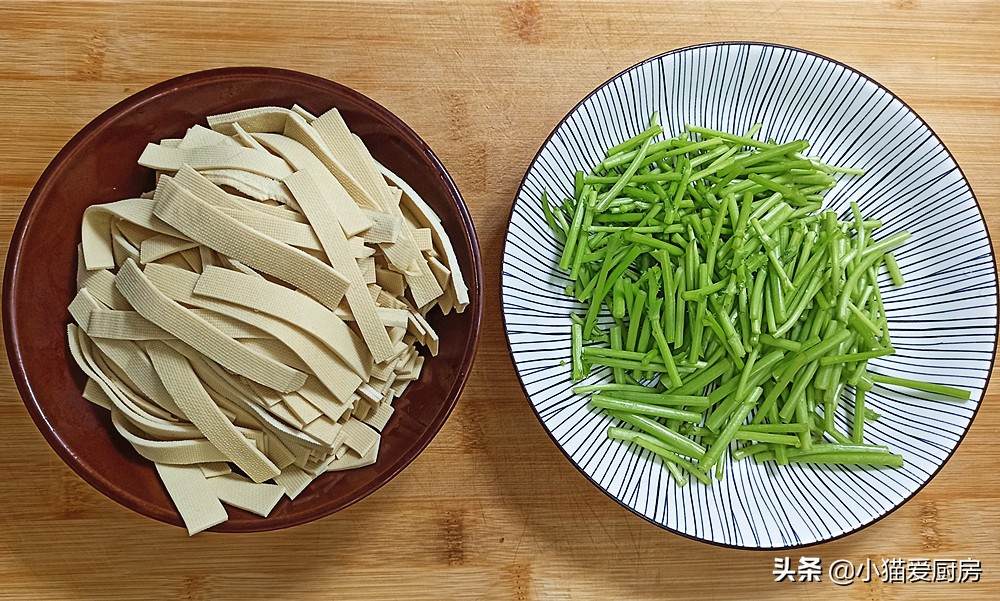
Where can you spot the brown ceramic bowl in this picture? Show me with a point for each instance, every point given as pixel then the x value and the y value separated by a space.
pixel 99 165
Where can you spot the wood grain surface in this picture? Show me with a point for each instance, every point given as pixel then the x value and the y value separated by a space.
pixel 491 510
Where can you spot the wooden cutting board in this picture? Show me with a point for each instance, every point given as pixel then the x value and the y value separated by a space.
pixel 491 510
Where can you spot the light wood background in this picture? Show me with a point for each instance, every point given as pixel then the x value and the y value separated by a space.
pixel 491 510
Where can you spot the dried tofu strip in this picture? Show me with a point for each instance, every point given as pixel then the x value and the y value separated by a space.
pixel 136 409
pixel 440 271
pixel 254 437
pixel 129 404
pixel 335 134
pixel 360 436
pixel 302 460
pixel 326 429
pixel 303 113
pixel 367 267
pixel 263 119
pixel 199 136
pixel 390 281
pixel 385 227
pixel 199 507
pixel 208 257
pixel 101 284
pixel 358 248
pixel 279 351
pixel 351 218
pixel 98 251
pixel 382 385
pixel 397 335
pixel 442 242
pixel 317 397
pixel 239 492
pixel 215 157
pixel 93 392
pixel 124 363
pixel 291 306
pixel 189 394
pixel 172 452
pixel 352 460
pixel 226 392
pixel 446 302
pixel 315 465
pixel 383 299
pixel 305 411
pixel 133 363
pixel 332 371
pixel 292 125
pixel 423 286
pixel 244 138
pixel 214 378
pixel 302 132
pixel 412 220
pixel 390 317
pixel 155 306
pixel 255 186
pixel 161 245
pixel 361 409
pixel 223 385
pixel 398 388
pixel 339 440
pixel 294 480
pixel 135 234
pixel 423 331
pixel 121 248
pixel 130 325
pixel 381 417
pixel 403 253
pixel 190 256
pixel 407 377
pixel 282 412
pixel 368 392
pixel 423 238
pixel 82 307
pixel 203 188
pixel 265 395
pixel 278 452
pixel 318 209
pixel 406 360
pixel 382 370
pixel 223 234
pixel 405 260
pixel 99 322
pixel 213 469
pixel 234 265
pixel 300 235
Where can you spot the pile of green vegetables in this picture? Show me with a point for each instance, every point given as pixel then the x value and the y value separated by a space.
pixel 740 309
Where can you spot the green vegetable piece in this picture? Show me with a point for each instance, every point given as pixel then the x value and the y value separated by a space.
pixel 893 268
pixel 949 391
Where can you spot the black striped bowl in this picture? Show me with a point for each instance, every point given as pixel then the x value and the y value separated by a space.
pixel 943 321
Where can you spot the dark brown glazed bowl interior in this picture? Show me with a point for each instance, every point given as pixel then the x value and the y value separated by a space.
pixel 99 165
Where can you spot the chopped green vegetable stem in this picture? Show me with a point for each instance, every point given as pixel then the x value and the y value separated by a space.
pixel 741 308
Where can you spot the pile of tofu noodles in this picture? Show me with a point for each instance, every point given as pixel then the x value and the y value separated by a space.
pixel 250 321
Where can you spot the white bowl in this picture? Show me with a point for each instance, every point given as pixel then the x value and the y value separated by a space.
pixel 943 321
